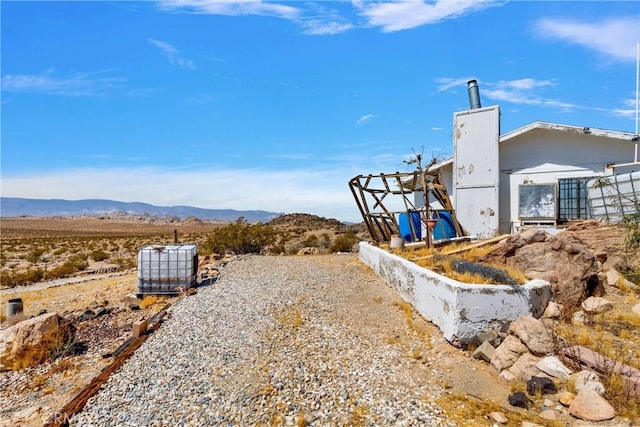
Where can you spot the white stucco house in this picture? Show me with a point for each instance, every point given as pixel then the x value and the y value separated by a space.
pixel 534 175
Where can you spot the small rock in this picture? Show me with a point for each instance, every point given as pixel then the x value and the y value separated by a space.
pixel 553 311
pixel 636 309
pixel 508 375
pixel 484 352
pixel 566 397
pixel 102 311
pixel 596 305
pixel 541 385
pixel 530 424
pixel 87 315
pixel 498 417
pixel 587 380
pixel 590 406
pixel 579 318
pixel 130 300
pixel 533 334
pixel 490 335
pixel 548 403
pixel 507 353
pixel 613 277
pixel 519 399
pixel 525 367
pixel 551 365
pixel 548 414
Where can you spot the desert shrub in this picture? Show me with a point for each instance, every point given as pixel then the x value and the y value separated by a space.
pixel 98 255
pixel 311 241
pixel 632 225
pixel 21 278
pixel 344 242
pixel 72 265
pixel 241 237
pixel 35 254
pixel 125 263
pixel 277 249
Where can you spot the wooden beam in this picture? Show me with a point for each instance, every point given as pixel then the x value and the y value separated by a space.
pixel 466 248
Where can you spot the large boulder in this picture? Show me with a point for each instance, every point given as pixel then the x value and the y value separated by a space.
pixel 570 267
pixel 34 340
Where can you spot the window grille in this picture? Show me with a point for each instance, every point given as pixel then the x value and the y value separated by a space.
pixel 572 199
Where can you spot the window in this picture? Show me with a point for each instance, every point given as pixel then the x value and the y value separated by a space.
pixel 572 199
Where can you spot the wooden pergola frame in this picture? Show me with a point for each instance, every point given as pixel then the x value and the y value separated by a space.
pixel 370 191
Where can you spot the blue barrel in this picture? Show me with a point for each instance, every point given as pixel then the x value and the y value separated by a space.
pixel 444 228
pixel 405 228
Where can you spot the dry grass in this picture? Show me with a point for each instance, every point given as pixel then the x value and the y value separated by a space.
pixel 291 316
pixel 358 416
pixel 417 325
pixel 15 319
pixel 72 297
pixel 615 335
pixel 148 301
pixel 465 410
pixel 435 259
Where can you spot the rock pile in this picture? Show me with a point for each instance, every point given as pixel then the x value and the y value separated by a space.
pixel 526 353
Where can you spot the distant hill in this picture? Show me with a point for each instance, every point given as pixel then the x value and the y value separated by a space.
pixel 306 221
pixel 11 207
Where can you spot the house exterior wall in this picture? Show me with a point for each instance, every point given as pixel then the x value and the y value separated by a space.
pixel 542 156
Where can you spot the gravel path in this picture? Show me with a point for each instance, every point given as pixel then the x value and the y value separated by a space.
pixel 316 340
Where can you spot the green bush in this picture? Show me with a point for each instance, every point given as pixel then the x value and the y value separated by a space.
pixel 241 237
pixel 98 255
pixel 631 223
pixel 344 242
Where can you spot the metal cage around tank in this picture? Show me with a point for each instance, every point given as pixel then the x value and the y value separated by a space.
pixel 166 269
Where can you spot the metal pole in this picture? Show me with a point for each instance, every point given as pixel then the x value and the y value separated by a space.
pixel 635 156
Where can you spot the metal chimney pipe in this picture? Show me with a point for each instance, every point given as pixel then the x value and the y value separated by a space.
pixel 474 94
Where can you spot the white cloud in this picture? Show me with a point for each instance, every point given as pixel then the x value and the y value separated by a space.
pixel 81 84
pixel 524 92
pixel 446 83
pixel 404 15
pixel 615 38
pixel 315 20
pixel 321 191
pixel 233 7
pixel 366 118
pixel 172 54
pixel 530 91
pixel 322 27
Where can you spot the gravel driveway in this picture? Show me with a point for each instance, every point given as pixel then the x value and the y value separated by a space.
pixel 314 340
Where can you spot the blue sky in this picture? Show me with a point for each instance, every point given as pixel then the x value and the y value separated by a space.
pixel 275 105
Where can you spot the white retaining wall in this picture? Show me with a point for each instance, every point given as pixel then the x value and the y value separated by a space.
pixel 460 310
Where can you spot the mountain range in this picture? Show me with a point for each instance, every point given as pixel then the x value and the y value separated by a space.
pixel 11 207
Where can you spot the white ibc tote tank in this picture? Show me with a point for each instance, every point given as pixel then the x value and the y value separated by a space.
pixel 164 269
